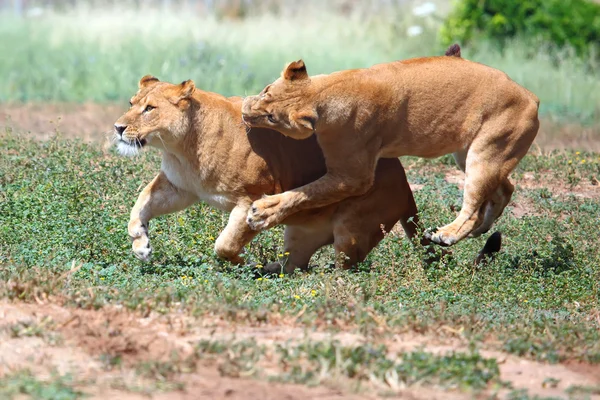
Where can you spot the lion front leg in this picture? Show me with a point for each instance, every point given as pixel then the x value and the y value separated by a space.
pixel 343 179
pixel 230 243
pixel 159 197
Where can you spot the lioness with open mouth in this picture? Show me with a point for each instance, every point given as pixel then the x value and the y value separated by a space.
pixel 425 107
pixel 208 155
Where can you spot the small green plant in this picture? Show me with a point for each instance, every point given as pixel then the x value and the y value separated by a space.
pixel 23 382
pixel 331 359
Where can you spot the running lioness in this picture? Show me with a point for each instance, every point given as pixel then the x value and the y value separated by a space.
pixel 424 107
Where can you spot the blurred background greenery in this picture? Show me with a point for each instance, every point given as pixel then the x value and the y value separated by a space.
pixel 95 51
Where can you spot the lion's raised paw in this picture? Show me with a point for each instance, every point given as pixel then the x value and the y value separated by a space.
pixel 264 213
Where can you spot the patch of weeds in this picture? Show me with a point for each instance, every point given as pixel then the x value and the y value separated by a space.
pixel 25 383
pixel 42 329
pixel 523 394
pixel 165 370
pixel 532 348
pixel 163 374
pixel 110 361
pixel 312 363
pixel 550 382
pixel 237 358
pixel 578 390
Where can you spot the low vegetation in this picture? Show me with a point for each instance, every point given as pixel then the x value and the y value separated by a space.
pixel 63 215
pixel 88 55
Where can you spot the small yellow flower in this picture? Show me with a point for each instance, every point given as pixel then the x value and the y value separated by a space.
pixel 582 161
pixel 570 162
pixel 322 274
pixel 211 238
pixel 184 277
pixel 280 255
pixel 206 281
pixel 102 278
pixel 313 292
pixel 578 152
pixel 287 253
pixel 297 297
pixel 258 266
pixel 259 279
pixel 281 275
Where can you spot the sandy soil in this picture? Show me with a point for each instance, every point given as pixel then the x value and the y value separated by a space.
pixel 75 341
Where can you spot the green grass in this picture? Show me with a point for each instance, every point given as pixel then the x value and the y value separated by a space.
pixel 24 383
pixel 94 56
pixel 65 204
pixel 313 363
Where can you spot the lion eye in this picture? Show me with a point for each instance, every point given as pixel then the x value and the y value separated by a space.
pixel 270 118
pixel 130 103
pixel 149 108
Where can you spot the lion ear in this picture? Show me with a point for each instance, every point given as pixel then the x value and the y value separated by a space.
pixel 306 119
pixel 147 81
pixel 183 91
pixel 294 71
pixel 187 89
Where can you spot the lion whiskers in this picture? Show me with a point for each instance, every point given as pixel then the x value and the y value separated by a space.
pixel 161 140
pixel 246 126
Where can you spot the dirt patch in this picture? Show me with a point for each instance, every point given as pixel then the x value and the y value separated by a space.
pixel 81 342
pixel 539 180
pixel 91 122
pixel 522 205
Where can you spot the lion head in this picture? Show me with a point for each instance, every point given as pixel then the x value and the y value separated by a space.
pixel 284 105
pixel 160 113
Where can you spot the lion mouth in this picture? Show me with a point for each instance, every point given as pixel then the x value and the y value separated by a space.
pixel 249 120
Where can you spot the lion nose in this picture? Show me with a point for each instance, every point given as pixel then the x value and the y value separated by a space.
pixel 120 129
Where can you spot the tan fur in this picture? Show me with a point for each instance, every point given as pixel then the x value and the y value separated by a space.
pixel 209 156
pixel 424 107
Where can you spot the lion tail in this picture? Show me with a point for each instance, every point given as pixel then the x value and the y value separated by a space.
pixel 491 247
pixel 453 50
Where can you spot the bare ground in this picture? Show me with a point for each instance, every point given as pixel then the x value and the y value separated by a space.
pixel 93 122
pixel 75 341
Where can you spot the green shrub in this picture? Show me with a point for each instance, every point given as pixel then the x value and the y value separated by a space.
pixel 564 23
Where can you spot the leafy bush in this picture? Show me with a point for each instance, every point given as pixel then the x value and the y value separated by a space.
pixel 564 23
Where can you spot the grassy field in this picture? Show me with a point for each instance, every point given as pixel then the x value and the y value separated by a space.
pixel 93 56
pixel 63 212
pixel 80 316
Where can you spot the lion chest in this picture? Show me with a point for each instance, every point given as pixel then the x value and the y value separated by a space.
pixel 184 176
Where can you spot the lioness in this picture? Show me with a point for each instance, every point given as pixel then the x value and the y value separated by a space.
pixel 424 107
pixel 208 155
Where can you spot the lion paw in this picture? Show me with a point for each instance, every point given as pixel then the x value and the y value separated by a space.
pixel 441 237
pixel 141 248
pixel 265 213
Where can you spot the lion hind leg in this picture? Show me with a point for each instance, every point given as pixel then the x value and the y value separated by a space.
pixel 300 243
pixel 495 207
pixel 483 177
